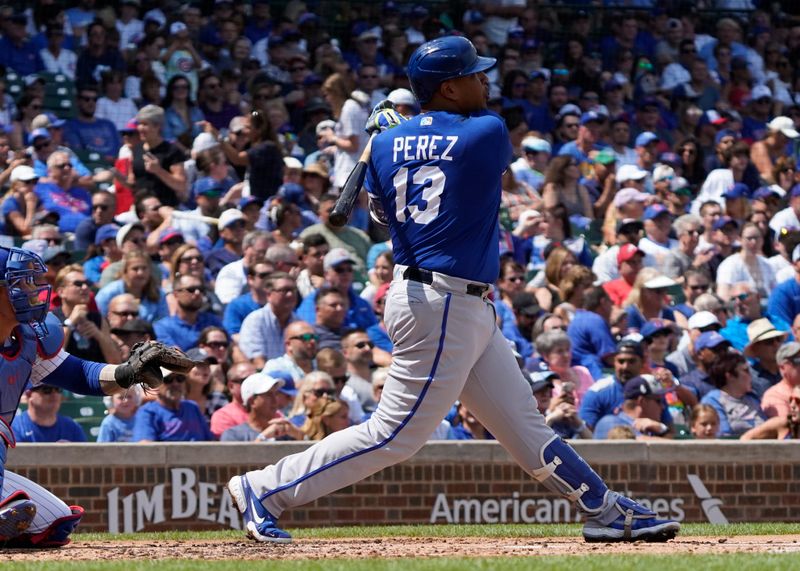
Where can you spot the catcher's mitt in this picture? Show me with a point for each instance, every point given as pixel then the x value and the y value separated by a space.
pixel 144 364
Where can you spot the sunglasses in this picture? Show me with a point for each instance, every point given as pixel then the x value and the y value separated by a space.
pixel 324 392
pixel 131 314
pixel 516 279
pixel 88 99
pixel 193 289
pixel 742 297
pixel 40 146
pixel 344 269
pixel 63 166
pixel 703 287
pixel 102 207
pixel 80 283
pixel 305 337
pixel 173 242
pixel 216 344
pixel 341 379
pixel 261 275
pixel 363 344
pixel 174 379
pixel 190 259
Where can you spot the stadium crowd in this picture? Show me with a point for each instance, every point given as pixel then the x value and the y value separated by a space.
pixel 175 165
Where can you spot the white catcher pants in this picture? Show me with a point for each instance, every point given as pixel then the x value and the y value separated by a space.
pixel 49 508
pixel 446 347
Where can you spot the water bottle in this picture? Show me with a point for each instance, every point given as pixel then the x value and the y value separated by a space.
pixel 80 341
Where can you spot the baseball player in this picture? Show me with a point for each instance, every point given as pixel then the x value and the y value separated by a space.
pixel 435 180
pixel 31 351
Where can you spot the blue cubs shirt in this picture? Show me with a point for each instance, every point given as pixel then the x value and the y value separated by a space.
pixel 438 179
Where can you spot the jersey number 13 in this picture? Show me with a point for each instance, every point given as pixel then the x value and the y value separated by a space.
pixel 432 179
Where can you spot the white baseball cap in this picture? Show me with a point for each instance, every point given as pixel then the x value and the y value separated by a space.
pixel 785 125
pixel 402 96
pixel 659 282
pixel 702 319
pixel 258 384
pixel 229 217
pixel 537 145
pixel 630 172
pixel 663 172
pixel 23 173
pixel 292 163
pixel 335 257
pixel 125 230
pixel 629 194
pixel 203 142
pixel 176 28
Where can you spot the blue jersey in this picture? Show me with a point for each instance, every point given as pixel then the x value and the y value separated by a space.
pixel 437 177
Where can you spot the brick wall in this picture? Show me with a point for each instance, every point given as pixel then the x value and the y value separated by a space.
pixel 180 486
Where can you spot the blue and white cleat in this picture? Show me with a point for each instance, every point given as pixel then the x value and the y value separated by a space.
pixel 259 523
pixel 633 523
pixel 16 515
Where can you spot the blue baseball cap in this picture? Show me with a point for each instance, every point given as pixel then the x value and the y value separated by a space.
pixel 795 190
pixel 208 186
pixel 168 233
pixel 590 116
pixel 646 138
pixel 710 340
pixel 722 134
pixel 54 121
pixel 292 192
pixel 654 326
pixel 288 387
pixel 738 190
pixel 723 221
pixel 39 133
pixel 105 232
pixel 764 192
pixel 654 211
pixel 246 201
pixel 643 386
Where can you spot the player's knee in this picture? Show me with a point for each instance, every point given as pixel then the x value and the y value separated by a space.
pixel 400 438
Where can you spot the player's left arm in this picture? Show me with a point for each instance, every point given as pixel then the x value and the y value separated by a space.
pixel 55 366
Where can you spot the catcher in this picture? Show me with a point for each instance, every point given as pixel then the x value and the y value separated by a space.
pixel 32 340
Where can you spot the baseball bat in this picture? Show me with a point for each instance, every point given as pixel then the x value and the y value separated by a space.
pixel 352 186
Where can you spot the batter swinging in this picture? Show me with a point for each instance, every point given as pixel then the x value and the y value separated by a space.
pixel 435 180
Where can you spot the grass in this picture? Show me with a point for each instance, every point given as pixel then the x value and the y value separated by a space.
pixel 740 562
pixel 499 530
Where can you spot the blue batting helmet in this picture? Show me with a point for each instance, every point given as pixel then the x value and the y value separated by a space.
pixel 442 59
pixel 22 274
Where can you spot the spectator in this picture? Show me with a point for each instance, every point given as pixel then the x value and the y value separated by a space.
pixel 300 343
pixel 607 394
pixel 762 349
pixel 642 409
pixel 113 105
pixel 131 332
pixel 117 426
pixel 560 413
pixel 555 349
pixel 746 309
pixel 648 299
pixel 231 232
pixel 222 353
pixel 707 348
pixel 630 260
pixel 326 416
pixel 739 411
pixel 98 54
pixel 87 333
pixel 158 164
pixel 255 298
pixel 314 386
pixel 200 384
pixel 562 185
pixel 233 413
pixel 89 133
pixel 187 260
pixel 137 278
pixel 183 329
pixel 261 336
pixel 705 422
pixel 21 205
pixel 776 401
pixel 686 255
pixel 212 104
pixel 312 277
pixel 17 52
pixel 345 237
pixel 589 331
pixel 171 418
pixel 103 208
pixel 264 424
pixel 41 421
pixel 121 309
pixel 466 426
pixel 357 350
pixel 182 118
pixel 57 194
pixel 331 312
pixel 749 266
pixel 784 301
pixel 232 279
pixel 656 241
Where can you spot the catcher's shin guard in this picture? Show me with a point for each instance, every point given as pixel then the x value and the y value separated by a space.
pixel 565 472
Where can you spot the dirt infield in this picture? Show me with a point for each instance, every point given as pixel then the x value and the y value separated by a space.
pixel 389 547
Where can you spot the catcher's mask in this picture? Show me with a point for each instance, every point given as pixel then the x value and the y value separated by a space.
pixel 22 274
